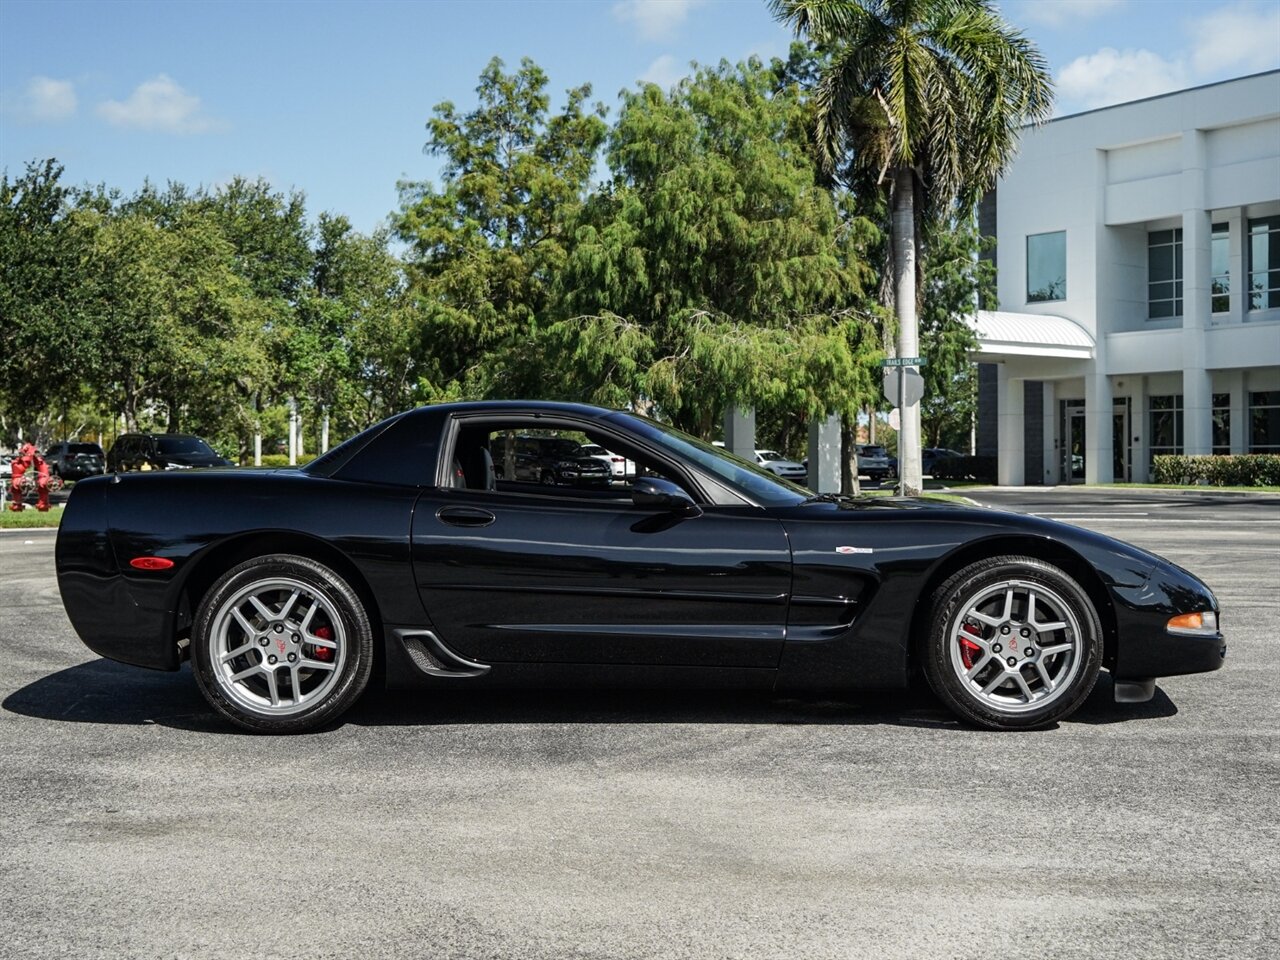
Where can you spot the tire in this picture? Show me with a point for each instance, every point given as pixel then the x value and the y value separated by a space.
pixel 265 611
pixel 548 478
pixel 1015 609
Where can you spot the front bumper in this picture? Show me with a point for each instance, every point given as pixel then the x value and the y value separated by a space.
pixel 1146 648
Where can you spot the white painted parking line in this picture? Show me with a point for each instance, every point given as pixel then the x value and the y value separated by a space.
pixel 1054 515
pixel 1179 521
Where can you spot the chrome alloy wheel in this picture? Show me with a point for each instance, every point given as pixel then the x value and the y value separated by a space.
pixel 1016 646
pixel 277 646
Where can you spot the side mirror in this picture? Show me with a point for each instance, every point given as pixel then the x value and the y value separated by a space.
pixel 656 493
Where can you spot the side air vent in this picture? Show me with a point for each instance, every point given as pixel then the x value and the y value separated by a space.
pixel 432 657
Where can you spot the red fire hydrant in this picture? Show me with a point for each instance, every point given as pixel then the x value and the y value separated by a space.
pixel 29 458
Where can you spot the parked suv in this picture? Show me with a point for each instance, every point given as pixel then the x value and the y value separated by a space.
pixel 161 451
pixel 873 461
pixel 75 461
pixel 559 461
pixel 622 468
pixel 931 456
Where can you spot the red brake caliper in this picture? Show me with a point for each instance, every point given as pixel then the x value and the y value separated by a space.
pixel 323 653
pixel 967 647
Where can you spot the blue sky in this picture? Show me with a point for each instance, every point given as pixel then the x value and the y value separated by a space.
pixel 331 97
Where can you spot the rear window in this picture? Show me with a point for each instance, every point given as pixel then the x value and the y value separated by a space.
pixel 874 452
pixel 91 448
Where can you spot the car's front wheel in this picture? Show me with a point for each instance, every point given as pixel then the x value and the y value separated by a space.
pixel 281 644
pixel 1014 643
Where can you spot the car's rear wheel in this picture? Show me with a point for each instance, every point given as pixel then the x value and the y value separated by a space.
pixel 1015 643
pixel 281 644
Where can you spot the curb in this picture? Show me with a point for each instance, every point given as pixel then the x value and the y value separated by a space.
pixel 1164 491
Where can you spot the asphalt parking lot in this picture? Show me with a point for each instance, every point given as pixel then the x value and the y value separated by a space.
pixel 134 824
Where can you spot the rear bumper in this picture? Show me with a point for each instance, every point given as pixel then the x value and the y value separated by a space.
pixel 99 603
pixel 111 625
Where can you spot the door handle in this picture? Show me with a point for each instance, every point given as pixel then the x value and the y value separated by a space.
pixel 465 516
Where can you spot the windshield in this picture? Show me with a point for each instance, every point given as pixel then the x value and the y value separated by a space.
pixel 769 455
pixel 175 446
pixel 759 484
pixel 874 452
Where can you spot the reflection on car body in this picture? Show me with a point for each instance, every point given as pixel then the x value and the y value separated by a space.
pixel 161 451
pixel 74 460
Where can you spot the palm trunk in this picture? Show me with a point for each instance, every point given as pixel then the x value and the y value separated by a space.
pixel 904 269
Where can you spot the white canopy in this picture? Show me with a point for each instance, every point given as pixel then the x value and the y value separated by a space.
pixel 1004 334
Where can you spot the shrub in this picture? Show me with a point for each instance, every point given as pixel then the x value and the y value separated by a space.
pixel 1245 470
pixel 982 469
pixel 282 459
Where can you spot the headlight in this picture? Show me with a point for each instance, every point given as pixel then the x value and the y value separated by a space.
pixel 1203 624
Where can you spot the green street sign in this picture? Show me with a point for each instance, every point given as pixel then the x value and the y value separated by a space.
pixel 904 362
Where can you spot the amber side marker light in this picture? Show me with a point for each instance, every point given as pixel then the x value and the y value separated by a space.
pixel 150 563
pixel 1194 624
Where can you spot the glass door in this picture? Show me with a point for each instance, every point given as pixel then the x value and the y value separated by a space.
pixel 1073 450
pixel 1120 449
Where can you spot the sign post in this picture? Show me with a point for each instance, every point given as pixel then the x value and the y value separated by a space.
pixel 898 370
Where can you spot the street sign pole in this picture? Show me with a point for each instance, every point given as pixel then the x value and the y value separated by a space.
pixel 902 363
pixel 902 418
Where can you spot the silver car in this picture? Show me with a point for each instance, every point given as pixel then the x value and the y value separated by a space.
pixel 775 462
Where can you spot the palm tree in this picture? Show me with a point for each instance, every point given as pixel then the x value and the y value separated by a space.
pixel 927 98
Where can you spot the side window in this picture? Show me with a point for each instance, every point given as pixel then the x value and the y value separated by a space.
pixel 527 457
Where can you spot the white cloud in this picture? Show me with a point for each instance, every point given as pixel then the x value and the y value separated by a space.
pixel 158 104
pixel 655 19
pixel 1114 76
pixel 44 100
pixel 1237 37
pixel 1056 13
pixel 665 72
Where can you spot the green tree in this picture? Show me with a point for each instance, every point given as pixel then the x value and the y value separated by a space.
pixel 486 246
pixel 354 347
pixel 925 97
pixel 46 327
pixel 269 233
pixel 715 268
pixel 956 280
pixel 176 327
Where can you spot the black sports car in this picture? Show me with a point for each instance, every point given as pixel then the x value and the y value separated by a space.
pixel 402 550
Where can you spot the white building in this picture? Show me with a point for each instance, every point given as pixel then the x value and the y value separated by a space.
pixel 1138 255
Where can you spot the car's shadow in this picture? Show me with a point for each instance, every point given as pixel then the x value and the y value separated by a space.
pixel 104 692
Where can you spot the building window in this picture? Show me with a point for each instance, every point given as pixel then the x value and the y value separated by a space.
pixel 1222 423
pixel 1164 274
pixel 1264 421
pixel 1047 267
pixel 1264 263
pixel 1164 425
pixel 1220 257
